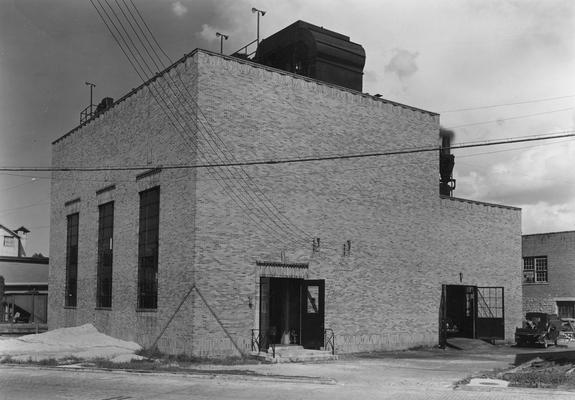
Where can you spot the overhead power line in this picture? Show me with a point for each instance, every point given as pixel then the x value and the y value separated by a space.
pixel 290 160
pixel 507 104
pixel 182 116
pixel 510 118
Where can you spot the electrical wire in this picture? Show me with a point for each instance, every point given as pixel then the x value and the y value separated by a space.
pixel 125 43
pixel 295 160
pixel 510 118
pixel 211 134
pixel 507 104
pixel 169 96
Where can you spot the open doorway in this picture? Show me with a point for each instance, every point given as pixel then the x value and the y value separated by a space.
pixel 472 312
pixel 292 311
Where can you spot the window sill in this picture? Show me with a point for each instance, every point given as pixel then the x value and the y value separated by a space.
pixel 535 283
pixel 70 307
pixel 104 308
pixel 144 310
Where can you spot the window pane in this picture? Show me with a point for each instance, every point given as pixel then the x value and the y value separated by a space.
pixel 71 260
pixel 312 295
pixel 528 276
pixel 541 269
pixel 105 256
pixel 148 248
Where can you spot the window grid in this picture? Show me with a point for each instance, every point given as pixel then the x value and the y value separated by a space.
pixel 490 302
pixel 8 241
pixel 566 309
pixel 148 249
pixel 535 270
pixel 105 255
pixel 72 223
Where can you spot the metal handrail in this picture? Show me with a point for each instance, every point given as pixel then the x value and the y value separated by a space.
pixel 329 340
pixel 261 340
pixel 245 50
pixel 86 114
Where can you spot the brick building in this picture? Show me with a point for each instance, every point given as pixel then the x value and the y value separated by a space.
pixel 205 257
pixel 549 273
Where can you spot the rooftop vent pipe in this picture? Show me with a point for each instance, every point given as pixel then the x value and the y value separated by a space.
pixel 446 163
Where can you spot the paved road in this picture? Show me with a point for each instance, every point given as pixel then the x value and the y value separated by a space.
pixel 358 379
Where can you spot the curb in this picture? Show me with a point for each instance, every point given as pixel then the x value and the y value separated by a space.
pixel 554 392
pixel 197 374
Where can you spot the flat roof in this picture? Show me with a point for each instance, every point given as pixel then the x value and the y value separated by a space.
pixel 481 203
pixel 20 271
pixel 549 233
pixel 241 61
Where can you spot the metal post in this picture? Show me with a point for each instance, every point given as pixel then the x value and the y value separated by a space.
pixel 222 37
pixel 262 13
pixel 92 86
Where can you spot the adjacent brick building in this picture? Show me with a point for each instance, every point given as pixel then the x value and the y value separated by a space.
pixel 205 257
pixel 549 273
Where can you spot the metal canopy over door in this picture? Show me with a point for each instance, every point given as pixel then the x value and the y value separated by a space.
pixel 490 313
pixel 312 314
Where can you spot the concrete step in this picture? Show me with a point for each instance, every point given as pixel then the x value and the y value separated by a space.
pixel 292 353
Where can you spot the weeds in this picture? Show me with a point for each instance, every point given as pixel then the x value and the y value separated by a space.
pixel 182 358
pixel 50 362
pixel 6 360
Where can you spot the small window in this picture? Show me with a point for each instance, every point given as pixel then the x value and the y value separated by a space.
pixel 566 309
pixel 312 295
pixel 535 270
pixel 8 241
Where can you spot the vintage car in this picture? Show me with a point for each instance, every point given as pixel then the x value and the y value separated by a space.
pixel 539 329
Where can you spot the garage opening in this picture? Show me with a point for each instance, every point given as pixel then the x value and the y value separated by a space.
pixel 472 312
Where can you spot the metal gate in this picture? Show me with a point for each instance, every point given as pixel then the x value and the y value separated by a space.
pixel 490 323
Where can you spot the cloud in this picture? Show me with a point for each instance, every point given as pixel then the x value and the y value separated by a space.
pixel 402 64
pixel 208 32
pixel 535 176
pixel 542 218
pixel 179 9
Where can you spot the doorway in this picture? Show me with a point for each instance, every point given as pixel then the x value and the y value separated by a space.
pixel 292 311
pixel 472 312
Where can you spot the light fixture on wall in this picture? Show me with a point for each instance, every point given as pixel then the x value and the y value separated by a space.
pixel 250 304
pixel 461 277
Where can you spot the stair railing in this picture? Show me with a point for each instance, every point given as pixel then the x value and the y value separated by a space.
pixel 262 341
pixel 329 340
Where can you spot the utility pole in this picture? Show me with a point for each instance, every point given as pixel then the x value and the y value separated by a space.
pixel 222 37
pixel 92 86
pixel 262 13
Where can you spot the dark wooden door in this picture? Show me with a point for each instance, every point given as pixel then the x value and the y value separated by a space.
pixel 312 314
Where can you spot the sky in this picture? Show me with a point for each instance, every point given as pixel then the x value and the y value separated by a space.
pixel 493 70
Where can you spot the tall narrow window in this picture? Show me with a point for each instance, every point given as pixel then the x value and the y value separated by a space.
pixel 148 249
pixel 105 246
pixel 72 260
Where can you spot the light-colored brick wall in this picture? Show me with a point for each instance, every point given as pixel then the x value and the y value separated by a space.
pixel 135 133
pixel 559 248
pixel 406 242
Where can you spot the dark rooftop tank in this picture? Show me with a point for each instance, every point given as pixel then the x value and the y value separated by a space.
pixel 315 52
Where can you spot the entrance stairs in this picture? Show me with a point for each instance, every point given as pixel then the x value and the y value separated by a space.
pixel 469 344
pixel 293 353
